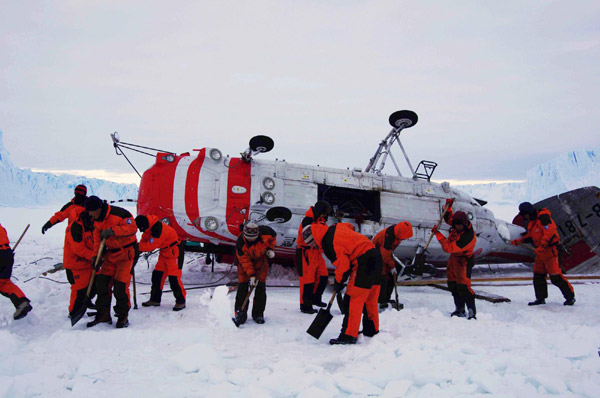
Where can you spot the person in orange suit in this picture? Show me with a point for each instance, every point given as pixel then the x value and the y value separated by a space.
pixel 253 247
pixel 118 227
pixel 158 235
pixel 69 211
pixel 78 253
pixel 7 288
pixel 386 241
pixel 358 263
pixel 460 244
pixel 312 270
pixel 543 234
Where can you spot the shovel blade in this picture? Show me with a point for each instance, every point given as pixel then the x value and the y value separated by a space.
pixel 317 327
pixel 397 306
pixel 77 314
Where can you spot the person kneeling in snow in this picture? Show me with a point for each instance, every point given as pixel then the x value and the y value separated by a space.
pixel 357 261
pixel 7 288
pixel 253 247
pixel 157 235
pixel 460 244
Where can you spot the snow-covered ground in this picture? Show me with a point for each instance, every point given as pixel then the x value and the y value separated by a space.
pixel 511 350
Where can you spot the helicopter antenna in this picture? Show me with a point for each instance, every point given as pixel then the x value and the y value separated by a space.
pixel 119 146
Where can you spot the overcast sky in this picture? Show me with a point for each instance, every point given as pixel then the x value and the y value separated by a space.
pixel 499 86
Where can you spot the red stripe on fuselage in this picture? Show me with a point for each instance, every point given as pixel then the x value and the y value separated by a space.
pixel 239 176
pixel 155 195
pixel 191 188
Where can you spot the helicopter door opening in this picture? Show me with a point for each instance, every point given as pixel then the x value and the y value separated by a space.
pixel 358 204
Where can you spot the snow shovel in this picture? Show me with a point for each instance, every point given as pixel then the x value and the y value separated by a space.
pixel 317 327
pixel 419 260
pixel 397 305
pixel 79 312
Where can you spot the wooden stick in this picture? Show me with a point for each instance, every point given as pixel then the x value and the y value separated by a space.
pixel 21 237
pixel 438 225
pixel 425 282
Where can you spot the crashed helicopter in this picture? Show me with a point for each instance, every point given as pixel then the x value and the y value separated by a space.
pixel 207 197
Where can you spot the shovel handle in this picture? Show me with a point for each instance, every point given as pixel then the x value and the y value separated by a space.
pixel 100 250
pixel 331 300
pixel 21 237
pixel 446 207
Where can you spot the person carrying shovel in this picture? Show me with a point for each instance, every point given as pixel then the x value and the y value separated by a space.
pixel 358 263
pixel 459 244
pixel 386 241
pixel 312 269
pixel 253 247
pixel 117 226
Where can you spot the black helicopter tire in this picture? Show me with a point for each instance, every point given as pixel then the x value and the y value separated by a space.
pixel 261 143
pixel 406 118
pixel 279 214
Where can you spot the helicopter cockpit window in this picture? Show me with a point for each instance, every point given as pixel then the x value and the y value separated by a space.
pixel 358 204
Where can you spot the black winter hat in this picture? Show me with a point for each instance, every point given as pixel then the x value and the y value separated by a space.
pixel 321 209
pixel 93 203
pixel 526 208
pixel 142 223
pixel 80 190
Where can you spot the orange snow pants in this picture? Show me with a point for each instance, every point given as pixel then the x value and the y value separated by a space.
pixel 79 280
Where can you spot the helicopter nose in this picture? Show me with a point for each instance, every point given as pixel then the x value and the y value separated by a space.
pixel 211 195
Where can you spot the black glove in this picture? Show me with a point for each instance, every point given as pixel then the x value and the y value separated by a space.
pixel 96 266
pixel 106 233
pixel 46 227
pixel 338 286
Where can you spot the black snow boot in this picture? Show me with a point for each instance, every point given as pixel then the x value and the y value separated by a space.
pixel 343 339
pixel 307 309
pixel 259 319
pixel 570 301
pixel 22 309
pixel 471 310
pixel 101 317
pixel 122 321
pixel 459 303
pixel 537 302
